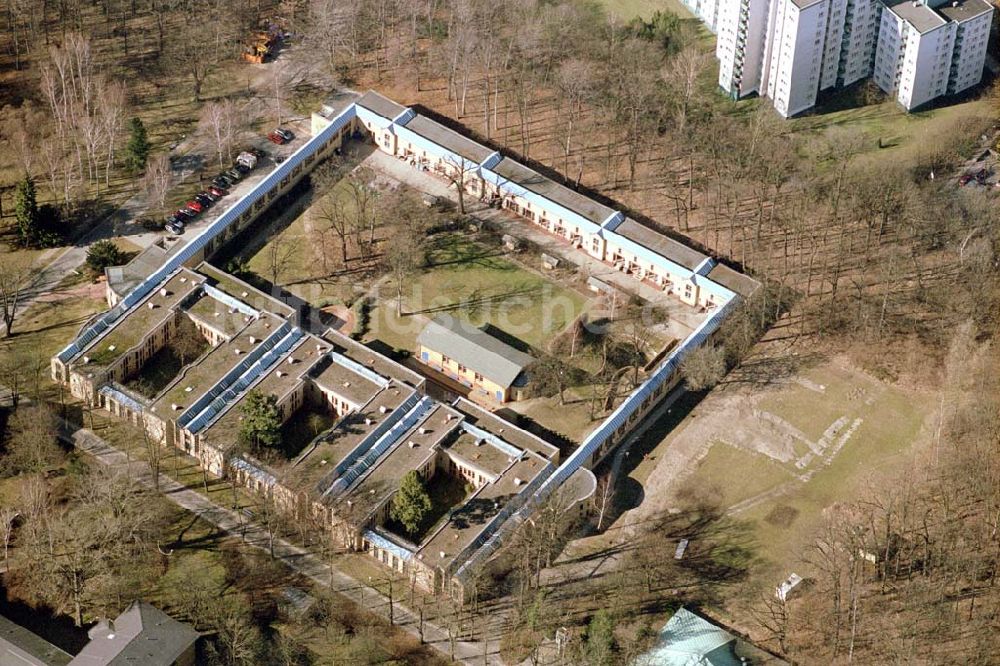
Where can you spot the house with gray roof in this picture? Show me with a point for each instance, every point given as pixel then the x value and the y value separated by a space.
pixel 494 370
pixel 142 634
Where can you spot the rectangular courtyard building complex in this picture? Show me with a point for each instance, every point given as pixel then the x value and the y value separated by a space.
pixel 362 421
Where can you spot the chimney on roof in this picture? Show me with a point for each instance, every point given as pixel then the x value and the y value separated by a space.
pixel 413 444
pixel 368 422
pixel 111 347
pixel 423 431
pixel 183 279
pixel 237 351
pixel 174 406
pixel 244 294
pixel 382 409
pixel 151 305
pixel 253 340
pixel 441 554
pixel 291 360
pixel 163 291
pixel 281 373
pixel 347 384
pixel 517 481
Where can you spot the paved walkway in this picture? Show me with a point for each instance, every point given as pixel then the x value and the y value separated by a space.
pixel 299 559
pixel 683 319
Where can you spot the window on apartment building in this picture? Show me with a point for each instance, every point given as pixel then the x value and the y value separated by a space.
pixel 462 368
pixel 445 359
pixel 479 377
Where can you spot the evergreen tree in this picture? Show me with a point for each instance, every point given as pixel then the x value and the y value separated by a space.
pixel 26 212
pixel 601 639
pixel 411 503
pixel 261 427
pixel 104 253
pixel 137 149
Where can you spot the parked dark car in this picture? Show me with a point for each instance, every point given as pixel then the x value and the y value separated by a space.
pixel 205 201
pixel 211 196
pixel 221 182
pixel 174 229
pixel 185 214
pixel 242 168
pixel 176 219
pixel 235 175
pixel 218 191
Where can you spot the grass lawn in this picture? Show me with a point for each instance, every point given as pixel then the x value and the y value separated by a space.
pixel 628 9
pixel 466 279
pixel 302 427
pixel 571 420
pixel 757 473
pixel 783 526
pixel 813 412
pixel 295 249
pixel 46 327
pixel 904 135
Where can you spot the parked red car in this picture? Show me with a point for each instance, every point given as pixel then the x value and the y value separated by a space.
pixel 218 191
pixel 194 206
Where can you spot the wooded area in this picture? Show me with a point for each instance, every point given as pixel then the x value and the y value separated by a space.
pixel 878 253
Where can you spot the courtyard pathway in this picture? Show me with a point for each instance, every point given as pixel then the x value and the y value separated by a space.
pixel 683 319
pixel 299 559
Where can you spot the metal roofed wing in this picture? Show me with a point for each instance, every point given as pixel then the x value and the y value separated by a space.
pixel 356 367
pixel 367 441
pixel 228 379
pixel 197 243
pixel 231 301
pixel 491 439
pixel 216 408
pixel 414 416
pixel 385 544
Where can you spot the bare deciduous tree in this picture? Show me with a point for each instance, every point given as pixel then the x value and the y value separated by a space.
pixel 15 277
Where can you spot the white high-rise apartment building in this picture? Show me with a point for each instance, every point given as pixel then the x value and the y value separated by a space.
pixel 928 50
pixel 789 50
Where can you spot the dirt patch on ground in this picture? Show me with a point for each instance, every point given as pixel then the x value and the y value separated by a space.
pixel 782 515
pixel 89 290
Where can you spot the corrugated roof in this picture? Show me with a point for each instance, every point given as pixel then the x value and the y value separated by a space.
pixel 380 104
pixel 475 349
pixel 690 640
pixel 744 285
pixel 663 245
pixel 452 141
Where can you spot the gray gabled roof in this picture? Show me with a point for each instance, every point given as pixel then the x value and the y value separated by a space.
pixel 475 349
pixel 142 634
pixel 22 647
pixel 380 104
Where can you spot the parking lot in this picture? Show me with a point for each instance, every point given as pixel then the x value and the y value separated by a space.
pixel 270 155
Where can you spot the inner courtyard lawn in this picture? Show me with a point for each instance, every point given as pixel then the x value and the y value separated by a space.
pixel 466 279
